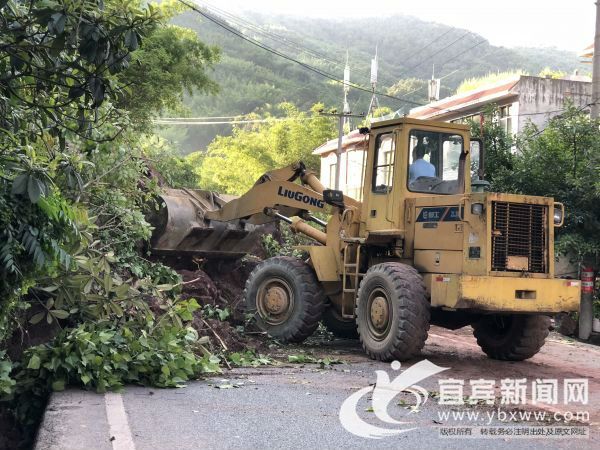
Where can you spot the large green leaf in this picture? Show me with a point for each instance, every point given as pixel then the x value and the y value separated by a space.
pixel 20 184
pixel 35 188
pixel 36 318
pixel 131 40
pixel 60 313
pixel 34 362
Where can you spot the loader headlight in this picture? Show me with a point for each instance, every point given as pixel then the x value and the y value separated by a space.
pixel 477 209
pixel 558 216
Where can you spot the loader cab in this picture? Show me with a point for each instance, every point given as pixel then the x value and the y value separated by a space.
pixel 409 158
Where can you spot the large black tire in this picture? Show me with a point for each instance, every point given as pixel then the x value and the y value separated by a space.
pixel 276 279
pixel 511 337
pixel 399 288
pixel 345 329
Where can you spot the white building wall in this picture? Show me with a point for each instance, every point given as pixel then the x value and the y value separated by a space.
pixel 351 172
pixel 543 98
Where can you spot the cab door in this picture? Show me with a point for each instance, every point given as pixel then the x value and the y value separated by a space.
pixel 379 187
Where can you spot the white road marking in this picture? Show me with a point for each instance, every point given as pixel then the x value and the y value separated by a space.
pixel 120 433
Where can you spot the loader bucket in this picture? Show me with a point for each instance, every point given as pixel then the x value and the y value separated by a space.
pixel 180 227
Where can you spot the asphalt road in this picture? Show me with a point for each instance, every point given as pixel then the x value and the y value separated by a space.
pixel 294 406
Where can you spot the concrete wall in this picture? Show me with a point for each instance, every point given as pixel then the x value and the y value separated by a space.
pixel 543 98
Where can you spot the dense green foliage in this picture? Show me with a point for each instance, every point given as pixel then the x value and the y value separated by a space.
pixel 499 151
pixel 563 161
pixel 78 84
pixel 172 59
pixel 232 164
pixel 250 77
pixel 67 151
pixel 560 161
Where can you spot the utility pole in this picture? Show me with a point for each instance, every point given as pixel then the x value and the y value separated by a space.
pixel 586 310
pixel 346 90
pixel 374 100
pixel 343 118
pixel 595 111
pixel 338 153
pixel 586 307
pixel 434 87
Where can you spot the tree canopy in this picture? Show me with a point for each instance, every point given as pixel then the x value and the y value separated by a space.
pixel 80 81
pixel 561 161
pixel 233 163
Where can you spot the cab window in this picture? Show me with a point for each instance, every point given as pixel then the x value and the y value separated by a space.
pixel 383 166
pixel 434 162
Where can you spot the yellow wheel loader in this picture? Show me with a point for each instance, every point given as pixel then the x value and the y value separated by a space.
pixel 425 245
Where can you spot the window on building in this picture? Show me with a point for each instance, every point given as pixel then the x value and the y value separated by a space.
pixel 467 119
pixel 332 170
pixel 383 167
pixel 354 177
pixel 505 118
pixel 434 162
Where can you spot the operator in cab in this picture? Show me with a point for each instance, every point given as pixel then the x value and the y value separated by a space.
pixel 420 167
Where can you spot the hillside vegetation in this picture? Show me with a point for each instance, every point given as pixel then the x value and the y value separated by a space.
pixel 250 77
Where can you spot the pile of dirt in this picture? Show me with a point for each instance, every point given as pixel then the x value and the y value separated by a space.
pixel 230 278
pixel 221 284
pixel 197 284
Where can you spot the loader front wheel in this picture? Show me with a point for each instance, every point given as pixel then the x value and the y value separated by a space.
pixel 511 337
pixel 286 297
pixel 392 312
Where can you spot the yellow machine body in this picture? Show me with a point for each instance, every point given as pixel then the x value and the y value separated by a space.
pixel 476 251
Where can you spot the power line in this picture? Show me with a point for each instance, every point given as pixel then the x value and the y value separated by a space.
pixel 428 45
pixel 226 122
pixel 318 71
pixel 203 118
pixel 463 52
pixel 424 87
pixel 292 44
pixel 289 58
pixel 270 35
pixel 435 53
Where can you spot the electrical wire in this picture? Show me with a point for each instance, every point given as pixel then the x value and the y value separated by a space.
pixel 226 122
pixel 323 73
pixel 204 118
pixel 434 54
pixel 463 52
pixel 271 35
pixel 428 45
pixel 289 58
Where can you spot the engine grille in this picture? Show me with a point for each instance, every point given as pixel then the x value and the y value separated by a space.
pixel 519 232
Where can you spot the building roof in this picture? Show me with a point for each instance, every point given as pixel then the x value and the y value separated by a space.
pixel 587 52
pixel 467 100
pixel 350 139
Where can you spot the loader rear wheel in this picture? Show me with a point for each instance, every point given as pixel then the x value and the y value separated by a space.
pixel 287 298
pixel 392 312
pixel 341 328
pixel 511 337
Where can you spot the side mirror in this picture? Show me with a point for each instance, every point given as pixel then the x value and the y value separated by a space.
pixel 477 159
pixel 334 198
pixel 478 184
